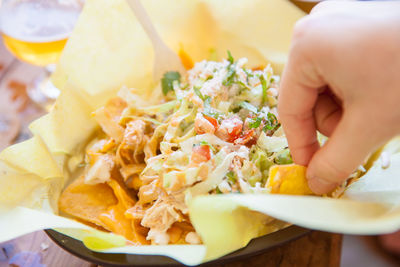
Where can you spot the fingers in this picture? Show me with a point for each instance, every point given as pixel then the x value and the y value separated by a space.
pixel 297 97
pixel 295 108
pixel 327 113
pixel 347 148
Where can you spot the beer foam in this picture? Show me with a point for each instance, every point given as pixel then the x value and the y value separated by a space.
pixel 37 22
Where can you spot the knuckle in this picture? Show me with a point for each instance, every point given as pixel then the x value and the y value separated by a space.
pixel 296 116
pixel 306 146
pixel 330 171
pixel 305 37
pixel 302 27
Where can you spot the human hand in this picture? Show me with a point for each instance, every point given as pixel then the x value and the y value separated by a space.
pixel 342 79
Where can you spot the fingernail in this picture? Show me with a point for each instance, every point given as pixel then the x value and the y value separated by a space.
pixel 320 186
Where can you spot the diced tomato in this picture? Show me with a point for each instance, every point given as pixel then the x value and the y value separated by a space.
pixel 247 138
pixel 201 154
pixel 230 129
pixel 203 125
pixel 212 120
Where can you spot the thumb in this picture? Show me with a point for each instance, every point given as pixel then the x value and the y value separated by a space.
pixel 350 143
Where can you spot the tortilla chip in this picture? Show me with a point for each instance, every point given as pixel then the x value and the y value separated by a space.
pixel 140 232
pixel 87 202
pixel 115 218
pixel 122 195
pixel 116 222
pixel 288 179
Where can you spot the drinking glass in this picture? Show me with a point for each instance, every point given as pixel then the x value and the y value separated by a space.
pixel 36 31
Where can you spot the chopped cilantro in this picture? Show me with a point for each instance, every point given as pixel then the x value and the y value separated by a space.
pixel 209 77
pixel 230 58
pixel 198 93
pixel 248 72
pixel 272 118
pixel 255 123
pixel 231 71
pixel 207 101
pixel 272 122
pixel 264 89
pixel 230 76
pixel 208 110
pixel 283 157
pixel 243 85
pixel 248 106
pixel 168 79
pixel 231 176
pixel 218 191
pixel 185 87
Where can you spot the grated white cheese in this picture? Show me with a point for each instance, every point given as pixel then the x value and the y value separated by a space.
pixel 245 187
pixel 243 152
pixel 385 160
pixel 257 189
pixel 224 106
pixel 192 238
pixel 240 63
pixel 159 238
pixel 225 187
pixel 272 91
pixel 230 124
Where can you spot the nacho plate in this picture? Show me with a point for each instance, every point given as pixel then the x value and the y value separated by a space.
pixel 108 56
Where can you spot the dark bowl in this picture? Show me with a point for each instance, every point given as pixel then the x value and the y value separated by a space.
pixel 255 247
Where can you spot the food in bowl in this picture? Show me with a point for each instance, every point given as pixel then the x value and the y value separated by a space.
pixel 212 130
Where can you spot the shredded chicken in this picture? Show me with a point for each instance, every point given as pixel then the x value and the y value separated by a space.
pixel 149 193
pixel 131 149
pixel 100 172
pixel 108 118
pixel 160 216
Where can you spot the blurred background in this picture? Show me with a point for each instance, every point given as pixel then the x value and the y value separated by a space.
pixel 34 33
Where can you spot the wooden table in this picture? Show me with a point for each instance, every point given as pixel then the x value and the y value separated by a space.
pixel 314 249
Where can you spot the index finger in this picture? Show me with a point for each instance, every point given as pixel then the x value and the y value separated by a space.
pixel 297 98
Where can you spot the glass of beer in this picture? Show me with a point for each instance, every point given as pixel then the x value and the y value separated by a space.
pixel 36 31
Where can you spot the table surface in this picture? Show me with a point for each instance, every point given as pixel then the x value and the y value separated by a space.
pixel 314 249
